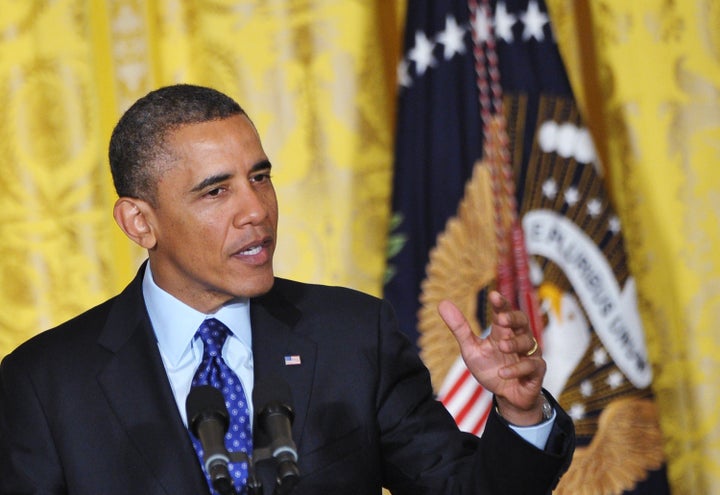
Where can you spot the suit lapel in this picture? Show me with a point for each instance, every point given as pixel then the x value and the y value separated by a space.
pixel 136 385
pixel 273 321
pixel 137 389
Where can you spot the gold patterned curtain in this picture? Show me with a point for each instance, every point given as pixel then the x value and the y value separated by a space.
pixel 647 76
pixel 316 76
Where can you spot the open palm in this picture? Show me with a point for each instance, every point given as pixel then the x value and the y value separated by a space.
pixel 500 362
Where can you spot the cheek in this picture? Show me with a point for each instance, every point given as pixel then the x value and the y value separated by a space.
pixel 274 216
pixel 196 238
pixel 271 206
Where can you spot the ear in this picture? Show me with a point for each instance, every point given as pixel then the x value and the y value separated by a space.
pixel 133 216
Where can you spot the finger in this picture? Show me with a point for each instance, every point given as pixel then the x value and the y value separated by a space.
pixel 517 320
pixel 456 322
pixel 523 344
pixel 503 313
pixel 524 368
pixel 498 301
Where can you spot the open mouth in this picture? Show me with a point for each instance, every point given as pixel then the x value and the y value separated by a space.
pixel 251 250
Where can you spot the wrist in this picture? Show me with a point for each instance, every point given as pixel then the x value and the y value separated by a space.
pixel 541 412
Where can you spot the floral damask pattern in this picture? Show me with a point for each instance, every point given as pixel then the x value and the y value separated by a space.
pixel 647 75
pixel 317 77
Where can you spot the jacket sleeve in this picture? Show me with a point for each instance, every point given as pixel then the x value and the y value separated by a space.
pixel 29 463
pixel 425 453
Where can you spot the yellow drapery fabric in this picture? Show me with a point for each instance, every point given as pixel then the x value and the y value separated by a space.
pixel 647 76
pixel 316 76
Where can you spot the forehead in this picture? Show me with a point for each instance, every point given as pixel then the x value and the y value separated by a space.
pixel 234 137
pixel 224 146
pixel 237 127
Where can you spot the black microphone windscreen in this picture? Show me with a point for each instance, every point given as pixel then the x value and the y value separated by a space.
pixel 205 401
pixel 271 389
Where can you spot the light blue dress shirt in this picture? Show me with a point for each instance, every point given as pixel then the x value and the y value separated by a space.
pixel 175 324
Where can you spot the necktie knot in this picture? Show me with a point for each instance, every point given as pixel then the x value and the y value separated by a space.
pixel 213 334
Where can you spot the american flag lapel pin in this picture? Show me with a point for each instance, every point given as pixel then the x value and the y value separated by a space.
pixel 292 360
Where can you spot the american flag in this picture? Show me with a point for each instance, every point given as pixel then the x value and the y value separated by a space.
pixel 438 140
pixel 474 66
pixel 292 360
pixel 451 80
pixel 465 399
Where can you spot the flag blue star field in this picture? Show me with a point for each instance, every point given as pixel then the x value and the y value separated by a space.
pixel 439 138
pixel 480 80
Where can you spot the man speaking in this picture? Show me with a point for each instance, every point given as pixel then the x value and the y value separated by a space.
pixel 98 404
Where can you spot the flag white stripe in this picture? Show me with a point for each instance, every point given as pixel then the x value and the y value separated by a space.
pixel 463 387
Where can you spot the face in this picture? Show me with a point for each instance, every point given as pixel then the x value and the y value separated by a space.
pixel 214 225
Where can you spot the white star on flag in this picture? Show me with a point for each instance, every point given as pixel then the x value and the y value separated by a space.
pixel 504 21
pixel 421 53
pixel 452 38
pixel 534 20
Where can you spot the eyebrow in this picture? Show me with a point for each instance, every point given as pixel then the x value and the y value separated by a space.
pixel 216 179
pixel 263 165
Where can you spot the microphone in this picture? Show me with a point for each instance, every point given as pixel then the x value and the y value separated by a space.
pixel 208 420
pixel 272 399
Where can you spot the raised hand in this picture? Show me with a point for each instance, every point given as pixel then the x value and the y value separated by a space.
pixel 508 362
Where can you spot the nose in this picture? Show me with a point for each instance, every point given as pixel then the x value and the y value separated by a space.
pixel 251 207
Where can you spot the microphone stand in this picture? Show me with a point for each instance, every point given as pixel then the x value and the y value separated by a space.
pixel 287 474
pixel 287 471
pixel 254 485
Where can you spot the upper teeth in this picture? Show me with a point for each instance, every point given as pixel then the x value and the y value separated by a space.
pixel 252 250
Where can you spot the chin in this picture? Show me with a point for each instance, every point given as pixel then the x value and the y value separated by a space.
pixel 258 286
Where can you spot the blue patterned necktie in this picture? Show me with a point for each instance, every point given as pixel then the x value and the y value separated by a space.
pixel 214 371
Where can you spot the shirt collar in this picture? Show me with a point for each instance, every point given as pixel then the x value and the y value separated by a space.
pixel 175 323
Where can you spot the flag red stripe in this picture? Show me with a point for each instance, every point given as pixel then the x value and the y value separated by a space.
pixel 456 386
pixel 478 427
pixel 469 404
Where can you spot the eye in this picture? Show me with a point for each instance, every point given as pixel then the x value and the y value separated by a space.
pixel 261 177
pixel 214 192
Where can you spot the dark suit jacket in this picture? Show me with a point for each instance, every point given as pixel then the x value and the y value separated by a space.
pixel 86 408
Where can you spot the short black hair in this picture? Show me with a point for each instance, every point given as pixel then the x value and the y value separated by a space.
pixel 137 142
